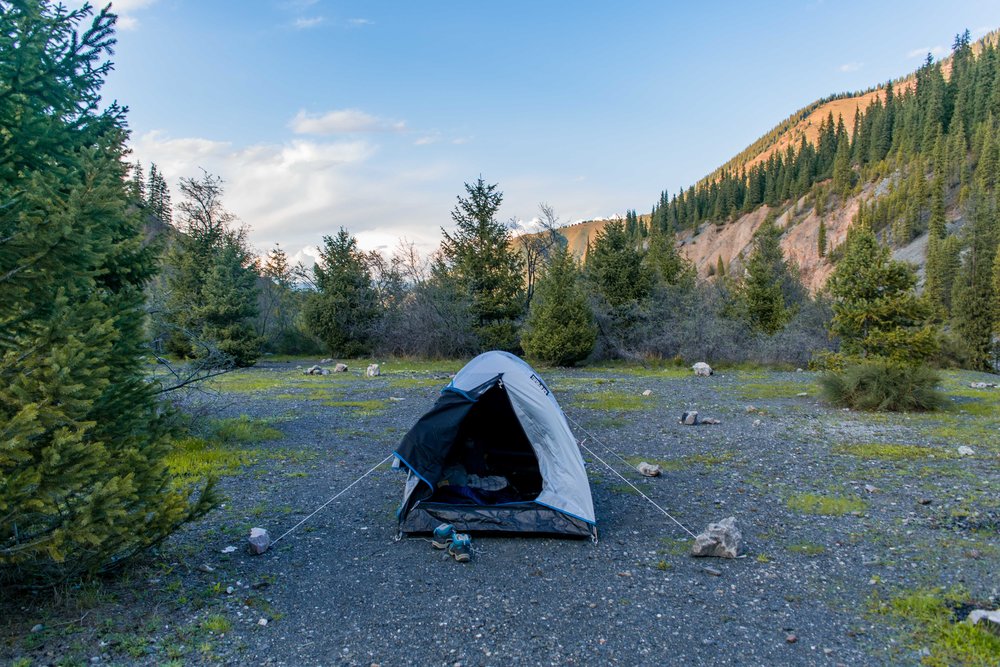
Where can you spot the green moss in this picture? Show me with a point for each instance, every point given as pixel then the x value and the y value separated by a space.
pixel 216 623
pixel 405 382
pixel 367 408
pixel 199 458
pixel 930 621
pixel 807 549
pixel 891 452
pixel 248 380
pixel 814 503
pixel 617 401
pixel 244 430
pixel 683 462
pixel 772 390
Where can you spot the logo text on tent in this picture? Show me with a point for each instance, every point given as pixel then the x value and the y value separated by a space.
pixel 540 384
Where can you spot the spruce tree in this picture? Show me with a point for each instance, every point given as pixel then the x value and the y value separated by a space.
pixel 767 292
pixel 667 264
pixel 83 483
pixel 972 291
pixel 615 268
pixel 559 329
pixel 345 306
pixel 479 255
pixel 876 312
pixel 821 239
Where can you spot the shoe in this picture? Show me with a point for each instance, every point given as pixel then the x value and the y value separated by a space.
pixel 442 536
pixel 461 547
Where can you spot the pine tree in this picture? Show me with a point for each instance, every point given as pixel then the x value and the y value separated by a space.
pixel 559 329
pixel 158 196
pixel 821 238
pixel 876 312
pixel 342 310
pixel 668 265
pixel 842 174
pixel 83 483
pixel 615 269
pixel 972 291
pixel 479 255
pixel 762 294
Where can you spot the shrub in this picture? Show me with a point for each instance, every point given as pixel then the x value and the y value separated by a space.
pixel 883 385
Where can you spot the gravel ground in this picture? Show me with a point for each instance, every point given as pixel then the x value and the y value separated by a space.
pixel 340 589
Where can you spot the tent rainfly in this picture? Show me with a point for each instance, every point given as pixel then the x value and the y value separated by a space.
pixel 495 454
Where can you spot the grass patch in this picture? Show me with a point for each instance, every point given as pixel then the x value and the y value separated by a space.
pixel 198 458
pixel 930 618
pixel 244 430
pixel 623 488
pixel 616 401
pixel 807 549
pixel 367 408
pixel 891 452
pixel 814 503
pixel 217 623
pixel 683 462
pixel 248 380
pixel 404 382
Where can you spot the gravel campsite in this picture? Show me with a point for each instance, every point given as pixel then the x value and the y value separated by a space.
pixel 849 522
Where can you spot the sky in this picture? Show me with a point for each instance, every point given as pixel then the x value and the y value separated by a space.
pixel 321 114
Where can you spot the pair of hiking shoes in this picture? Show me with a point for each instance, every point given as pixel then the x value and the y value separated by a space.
pixel 459 545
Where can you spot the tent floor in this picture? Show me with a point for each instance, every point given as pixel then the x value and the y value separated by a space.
pixel 525 517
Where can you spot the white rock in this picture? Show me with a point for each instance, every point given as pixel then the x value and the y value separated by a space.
pixel 649 469
pixel 648 392
pixel 756 422
pixel 229 550
pixel 262 622
pixel 259 541
pixel 710 420
pixel 989 619
pixel 37 628
pixel 966 451
pixel 340 368
pixel 721 540
pixel 372 371
pixel 702 369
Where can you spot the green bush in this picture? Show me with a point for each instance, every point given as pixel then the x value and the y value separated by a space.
pixel 883 385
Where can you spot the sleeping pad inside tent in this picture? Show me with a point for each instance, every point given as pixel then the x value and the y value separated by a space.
pixel 495 453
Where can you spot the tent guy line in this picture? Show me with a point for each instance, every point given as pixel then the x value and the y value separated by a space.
pixel 609 467
pixel 345 490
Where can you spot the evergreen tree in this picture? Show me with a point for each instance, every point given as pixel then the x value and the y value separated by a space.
pixel 762 293
pixel 342 310
pixel 212 280
pixel 559 329
pixel 821 239
pixel 842 174
pixel 83 483
pixel 487 268
pixel 876 312
pixel 137 186
pixel 615 268
pixel 972 296
pixel 668 265
pixel 158 196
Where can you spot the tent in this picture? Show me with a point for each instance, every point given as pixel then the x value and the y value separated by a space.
pixel 495 454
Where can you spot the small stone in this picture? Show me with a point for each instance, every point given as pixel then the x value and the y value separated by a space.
pixel 701 369
pixel 372 371
pixel 925 501
pixel 230 590
pixel 38 628
pixel 712 571
pixel 799 370
pixel 828 651
pixel 966 451
pixel 262 622
pixel 689 418
pixel 710 420
pixel 871 489
pixel 989 619
pixel 791 639
pixel 756 422
pixel 205 567
pixel 340 368
pixel 802 393
pixel 649 469
pixel 259 541
pixel 750 408
pixel 229 550
pixel 648 392
pixel 326 361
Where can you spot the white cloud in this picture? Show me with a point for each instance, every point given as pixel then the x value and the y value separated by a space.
pixel 125 9
pixel 851 67
pixel 342 121
pixel 360 22
pixel 303 23
pixel 936 51
pixel 427 140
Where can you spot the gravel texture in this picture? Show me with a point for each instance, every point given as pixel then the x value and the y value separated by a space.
pixel 341 590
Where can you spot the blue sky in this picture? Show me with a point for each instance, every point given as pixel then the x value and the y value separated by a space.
pixel 371 115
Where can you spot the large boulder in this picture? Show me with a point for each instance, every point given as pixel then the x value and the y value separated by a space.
pixel 372 371
pixel 259 541
pixel 702 369
pixel 721 540
pixel 340 368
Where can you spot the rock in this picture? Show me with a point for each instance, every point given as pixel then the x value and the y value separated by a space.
pixel 983 385
pixel 649 469
pixel 37 628
pixel 325 371
pixel 712 571
pixel 690 418
pixel 966 451
pixel 372 371
pixel 750 408
pixel 871 489
pixel 721 540
pixel 326 361
pixel 989 619
pixel 791 639
pixel 648 392
pixel 229 550
pixel 702 369
pixel 259 541
pixel 925 501
pixel 230 590
pixel 802 394
pixel 313 370
pixel 205 567
pixel 710 420
pixel 262 622
pixel 799 370
pixel 756 422
pixel 340 368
